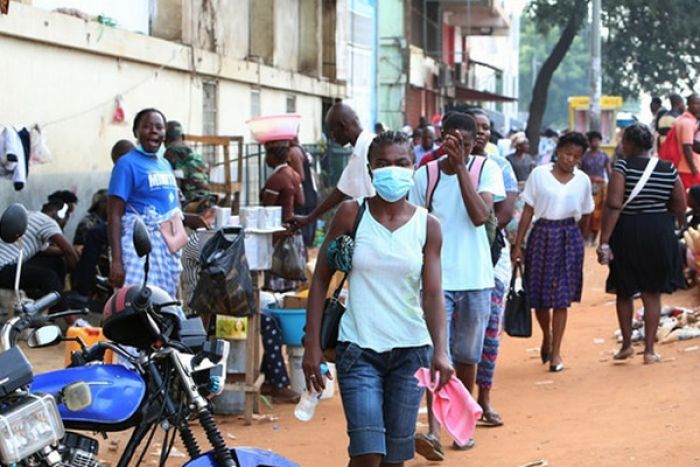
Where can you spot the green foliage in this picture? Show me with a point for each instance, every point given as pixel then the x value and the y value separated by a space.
pixel 571 78
pixel 650 46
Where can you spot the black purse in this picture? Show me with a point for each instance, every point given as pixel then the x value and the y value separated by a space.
pixel 333 309
pixel 518 318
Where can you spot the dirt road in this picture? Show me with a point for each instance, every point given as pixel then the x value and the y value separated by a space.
pixel 595 413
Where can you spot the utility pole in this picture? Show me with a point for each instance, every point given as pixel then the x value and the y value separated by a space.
pixel 596 79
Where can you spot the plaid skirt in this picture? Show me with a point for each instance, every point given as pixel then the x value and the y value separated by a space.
pixel 164 267
pixel 554 264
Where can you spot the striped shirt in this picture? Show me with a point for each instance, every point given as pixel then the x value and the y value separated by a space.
pixel 655 195
pixel 40 229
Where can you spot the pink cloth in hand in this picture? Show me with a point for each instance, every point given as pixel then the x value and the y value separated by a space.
pixel 453 406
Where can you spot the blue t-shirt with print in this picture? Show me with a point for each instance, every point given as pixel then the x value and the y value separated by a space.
pixel 144 180
pixel 510 182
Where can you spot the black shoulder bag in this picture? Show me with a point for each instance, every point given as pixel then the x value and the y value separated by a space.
pixel 333 309
pixel 518 318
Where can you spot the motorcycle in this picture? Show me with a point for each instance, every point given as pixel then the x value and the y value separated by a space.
pixel 31 429
pixel 171 370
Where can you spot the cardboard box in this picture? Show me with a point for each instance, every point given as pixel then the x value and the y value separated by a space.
pixel 294 302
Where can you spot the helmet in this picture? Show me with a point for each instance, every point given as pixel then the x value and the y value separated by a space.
pixel 126 324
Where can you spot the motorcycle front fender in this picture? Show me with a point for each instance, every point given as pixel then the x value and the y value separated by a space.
pixel 244 457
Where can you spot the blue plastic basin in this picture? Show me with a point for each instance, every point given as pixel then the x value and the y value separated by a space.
pixel 292 323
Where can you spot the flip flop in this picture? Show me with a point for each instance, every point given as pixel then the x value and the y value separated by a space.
pixel 491 418
pixel 651 358
pixel 470 444
pixel 624 354
pixel 428 446
pixel 556 368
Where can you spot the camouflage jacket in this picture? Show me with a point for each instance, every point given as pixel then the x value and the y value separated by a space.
pixel 195 171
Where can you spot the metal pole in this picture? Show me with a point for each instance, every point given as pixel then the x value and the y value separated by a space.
pixel 596 83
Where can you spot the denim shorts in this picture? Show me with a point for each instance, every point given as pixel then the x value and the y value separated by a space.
pixel 467 317
pixel 381 398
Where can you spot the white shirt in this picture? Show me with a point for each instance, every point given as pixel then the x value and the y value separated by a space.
pixel 466 254
pixel 553 200
pixel 355 181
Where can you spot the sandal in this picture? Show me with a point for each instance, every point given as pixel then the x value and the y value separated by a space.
pixel 624 354
pixel 650 358
pixel 428 446
pixel 491 418
pixel 470 444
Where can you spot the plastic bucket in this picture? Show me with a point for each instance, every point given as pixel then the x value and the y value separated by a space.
pixel 292 324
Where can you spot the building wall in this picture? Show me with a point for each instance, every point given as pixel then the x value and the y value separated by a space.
pixel 362 79
pixel 392 63
pixel 72 71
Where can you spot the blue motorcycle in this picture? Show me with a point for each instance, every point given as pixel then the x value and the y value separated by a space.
pixel 170 371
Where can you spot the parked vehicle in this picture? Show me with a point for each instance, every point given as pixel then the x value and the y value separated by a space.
pixel 170 371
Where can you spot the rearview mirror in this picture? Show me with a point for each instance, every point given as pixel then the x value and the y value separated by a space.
pixel 13 223
pixel 142 242
pixel 44 336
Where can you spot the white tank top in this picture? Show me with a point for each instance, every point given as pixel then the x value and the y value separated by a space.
pixel 384 309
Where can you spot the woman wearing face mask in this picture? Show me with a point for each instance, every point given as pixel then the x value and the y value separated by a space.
pixel 559 197
pixel 142 185
pixel 387 331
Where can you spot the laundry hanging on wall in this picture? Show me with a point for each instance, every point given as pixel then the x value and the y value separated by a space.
pixel 19 150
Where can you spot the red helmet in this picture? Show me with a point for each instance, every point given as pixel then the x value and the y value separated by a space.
pixel 124 324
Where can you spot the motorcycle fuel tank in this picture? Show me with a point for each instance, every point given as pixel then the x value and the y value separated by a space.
pixel 117 393
pixel 244 457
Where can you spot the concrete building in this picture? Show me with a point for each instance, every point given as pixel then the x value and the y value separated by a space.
pixel 212 64
pixel 425 62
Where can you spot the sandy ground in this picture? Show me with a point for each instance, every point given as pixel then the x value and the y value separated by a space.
pixel 595 413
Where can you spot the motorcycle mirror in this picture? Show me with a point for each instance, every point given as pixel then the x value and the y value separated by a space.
pixel 13 223
pixel 44 336
pixel 76 396
pixel 142 242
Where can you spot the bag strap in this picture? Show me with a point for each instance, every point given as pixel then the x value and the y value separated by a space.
pixel 360 212
pixel 517 269
pixel 651 165
pixel 433 168
pixel 477 166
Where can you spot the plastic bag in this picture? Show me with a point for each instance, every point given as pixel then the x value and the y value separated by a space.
pixel 225 286
pixel 288 259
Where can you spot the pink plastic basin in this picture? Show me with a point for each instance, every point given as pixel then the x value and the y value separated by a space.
pixel 274 127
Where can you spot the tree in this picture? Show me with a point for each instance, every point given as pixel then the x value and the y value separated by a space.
pixel 647 46
pixel 549 13
pixel 571 78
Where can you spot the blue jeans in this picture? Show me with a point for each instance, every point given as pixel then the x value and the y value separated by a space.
pixel 381 398
pixel 467 317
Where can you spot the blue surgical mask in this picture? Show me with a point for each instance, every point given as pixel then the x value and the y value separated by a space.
pixel 392 183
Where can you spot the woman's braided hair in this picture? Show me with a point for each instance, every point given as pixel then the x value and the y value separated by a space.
pixel 389 138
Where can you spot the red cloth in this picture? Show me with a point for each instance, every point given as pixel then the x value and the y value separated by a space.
pixel 689 180
pixel 432 156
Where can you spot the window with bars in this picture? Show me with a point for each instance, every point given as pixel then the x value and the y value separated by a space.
pixel 291 104
pixel 209 107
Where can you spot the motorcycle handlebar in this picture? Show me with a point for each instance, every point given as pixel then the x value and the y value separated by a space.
pixel 47 301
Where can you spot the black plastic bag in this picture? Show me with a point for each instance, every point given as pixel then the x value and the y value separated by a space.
pixel 225 286
pixel 518 317
pixel 288 259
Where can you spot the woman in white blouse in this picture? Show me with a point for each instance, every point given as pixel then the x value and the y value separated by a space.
pixel 558 196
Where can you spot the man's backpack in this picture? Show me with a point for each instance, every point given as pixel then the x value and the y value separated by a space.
pixel 671 150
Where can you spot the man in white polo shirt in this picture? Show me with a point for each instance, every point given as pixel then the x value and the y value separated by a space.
pixel 345 128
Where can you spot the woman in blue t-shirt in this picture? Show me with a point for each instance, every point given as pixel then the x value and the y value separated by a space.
pixel 143 185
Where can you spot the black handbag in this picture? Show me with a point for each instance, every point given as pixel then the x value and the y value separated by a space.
pixel 518 318
pixel 333 309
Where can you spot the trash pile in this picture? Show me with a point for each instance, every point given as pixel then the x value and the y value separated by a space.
pixel 676 324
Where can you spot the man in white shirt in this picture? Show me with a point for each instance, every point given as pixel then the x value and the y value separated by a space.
pixel 467 270
pixel 345 128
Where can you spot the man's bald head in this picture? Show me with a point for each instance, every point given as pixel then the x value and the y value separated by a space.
pixel 343 124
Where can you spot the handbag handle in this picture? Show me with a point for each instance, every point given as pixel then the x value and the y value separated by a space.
pixel 517 268
pixel 358 218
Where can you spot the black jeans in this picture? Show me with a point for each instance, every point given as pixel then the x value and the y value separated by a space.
pixel 83 278
pixel 41 274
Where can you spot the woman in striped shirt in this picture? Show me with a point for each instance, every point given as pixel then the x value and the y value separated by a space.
pixel 642 253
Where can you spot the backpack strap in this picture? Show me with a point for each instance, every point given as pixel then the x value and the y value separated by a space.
pixel 477 166
pixel 433 168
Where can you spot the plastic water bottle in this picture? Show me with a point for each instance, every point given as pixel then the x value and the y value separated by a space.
pixel 306 407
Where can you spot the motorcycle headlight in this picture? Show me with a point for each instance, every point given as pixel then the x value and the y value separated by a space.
pixel 28 427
